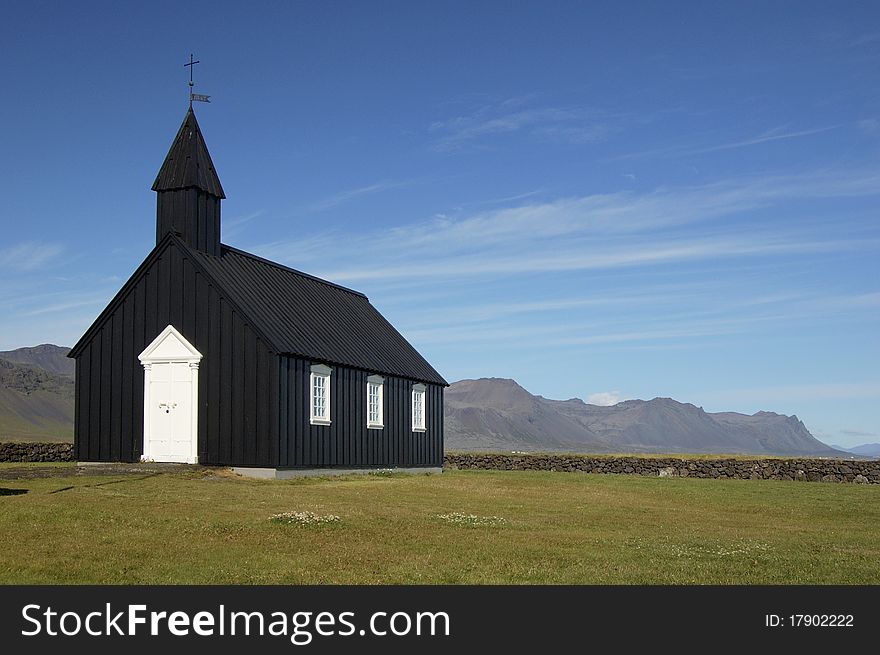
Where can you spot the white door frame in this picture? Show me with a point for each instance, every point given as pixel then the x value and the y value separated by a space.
pixel 171 347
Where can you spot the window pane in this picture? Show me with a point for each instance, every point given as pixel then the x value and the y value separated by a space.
pixel 319 397
pixel 418 410
pixel 374 403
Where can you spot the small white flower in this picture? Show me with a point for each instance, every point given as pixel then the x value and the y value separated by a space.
pixel 304 518
pixel 459 518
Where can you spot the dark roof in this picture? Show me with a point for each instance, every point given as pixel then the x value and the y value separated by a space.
pixel 312 318
pixel 295 313
pixel 188 163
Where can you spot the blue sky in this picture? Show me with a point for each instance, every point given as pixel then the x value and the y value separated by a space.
pixel 612 201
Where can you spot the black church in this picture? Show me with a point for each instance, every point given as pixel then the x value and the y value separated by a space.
pixel 211 355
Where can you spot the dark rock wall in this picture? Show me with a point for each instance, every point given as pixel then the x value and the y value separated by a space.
pixel 36 452
pixel 808 470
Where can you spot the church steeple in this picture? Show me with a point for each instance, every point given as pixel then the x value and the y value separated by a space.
pixel 189 191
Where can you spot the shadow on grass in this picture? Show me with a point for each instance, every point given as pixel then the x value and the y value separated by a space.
pixel 12 492
pixel 104 484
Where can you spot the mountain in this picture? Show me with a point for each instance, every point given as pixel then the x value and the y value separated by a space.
pixel 498 414
pixel 46 356
pixel 35 404
pixel 866 449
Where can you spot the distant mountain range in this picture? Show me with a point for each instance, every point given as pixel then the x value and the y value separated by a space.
pixel 489 414
pixel 493 414
pixel 36 394
pixel 866 450
pixel 47 357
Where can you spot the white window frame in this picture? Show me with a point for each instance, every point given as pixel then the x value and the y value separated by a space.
pixel 323 372
pixel 419 422
pixel 379 382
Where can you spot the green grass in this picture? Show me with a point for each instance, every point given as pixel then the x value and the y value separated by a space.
pixel 556 528
pixel 38 416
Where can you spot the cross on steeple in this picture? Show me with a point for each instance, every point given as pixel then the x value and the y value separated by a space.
pixel 191 64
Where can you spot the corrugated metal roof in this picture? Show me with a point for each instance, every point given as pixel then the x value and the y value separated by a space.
pixel 188 163
pixel 306 316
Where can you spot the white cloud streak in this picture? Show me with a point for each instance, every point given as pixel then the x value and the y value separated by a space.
pixel 775 134
pixel 577 125
pixel 238 221
pixel 29 255
pixel 95 301
pixel 604 398
pixel 600 231
pixel 345 196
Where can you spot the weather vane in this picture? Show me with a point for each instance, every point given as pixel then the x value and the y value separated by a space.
pixel 194 96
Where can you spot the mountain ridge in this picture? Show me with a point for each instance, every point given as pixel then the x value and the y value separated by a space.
pixel 865 449
pixel 35 404
pixel 46 356
pixel 498 413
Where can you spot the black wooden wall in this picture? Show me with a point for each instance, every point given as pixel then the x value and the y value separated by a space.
pixel 347 442
pixel 237 417
pixel 193 215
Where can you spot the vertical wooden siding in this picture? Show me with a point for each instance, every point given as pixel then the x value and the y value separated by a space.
pixel 347 442
pixel 192 214
pixel 237 424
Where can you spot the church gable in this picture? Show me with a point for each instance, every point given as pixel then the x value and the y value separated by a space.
pixel 145 283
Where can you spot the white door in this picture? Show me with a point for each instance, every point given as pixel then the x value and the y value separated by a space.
pixel 171 437
pixel 171 387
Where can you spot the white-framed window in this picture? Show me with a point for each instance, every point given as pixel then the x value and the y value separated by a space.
pixel 319 395
pixel 418 408
pixel 375 401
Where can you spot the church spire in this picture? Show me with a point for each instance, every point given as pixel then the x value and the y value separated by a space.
pixel 189 191
pixel 188 163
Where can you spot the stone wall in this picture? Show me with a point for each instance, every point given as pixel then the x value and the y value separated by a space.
pixel 808 470
pixel 36 452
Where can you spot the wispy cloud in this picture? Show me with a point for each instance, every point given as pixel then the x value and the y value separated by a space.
pixel 775 134
pixel 797 393
pixel 465 314
pixel 29 255
pixel 870 126
pixel 237 221
pixel 711 297
pixel 591 232
pixel 96 301
pixel 350 194
pixel 604 398
pixel 859 433
pixel 564 336
pixel 503 200
pixel 576 125
pixel 621 256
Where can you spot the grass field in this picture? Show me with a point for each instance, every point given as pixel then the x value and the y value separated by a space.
pixel 205 527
